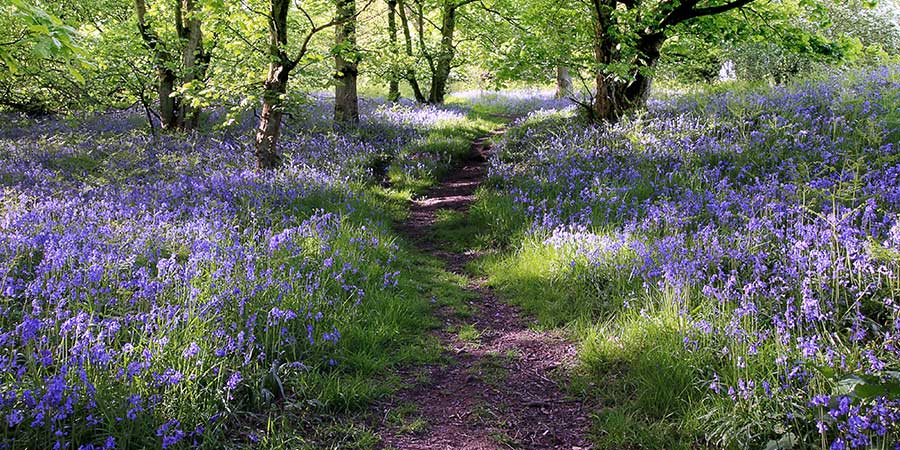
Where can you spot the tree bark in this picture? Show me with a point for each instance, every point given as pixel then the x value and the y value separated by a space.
pixel 410 73
pixel 563 82
pixel 441 73
pixel 168 104
pixel 195 61
pixel 174 112
pixel 269 130
pixel 604 106
pixel 393 84
pixel 165 74
pixel 615 96
pixel 275 87
pixel 346 65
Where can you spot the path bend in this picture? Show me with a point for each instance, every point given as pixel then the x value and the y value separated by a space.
pixel 501 391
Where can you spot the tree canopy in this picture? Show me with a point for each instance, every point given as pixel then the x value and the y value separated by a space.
pixel 176 57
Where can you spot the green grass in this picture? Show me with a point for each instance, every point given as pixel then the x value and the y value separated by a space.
pixel 627 365
pixel 405 419
pixel 394 331
pixel 647 391
pixel 648 387
pixel 419 167
pixel 490 224
pixel 327 407
pixel 468 333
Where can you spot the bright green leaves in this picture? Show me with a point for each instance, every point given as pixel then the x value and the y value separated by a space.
pixel 37 34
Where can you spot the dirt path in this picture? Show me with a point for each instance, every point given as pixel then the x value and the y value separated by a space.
pixel 500 388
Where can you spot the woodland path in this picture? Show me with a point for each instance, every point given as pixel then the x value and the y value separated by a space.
pixel 499 389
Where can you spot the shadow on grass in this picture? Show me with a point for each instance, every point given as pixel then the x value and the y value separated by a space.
pixel 327 406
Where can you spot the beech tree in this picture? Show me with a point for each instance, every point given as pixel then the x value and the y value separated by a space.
pixel 429 41
pixel 393 83
pixel 346 64
pixel 441 62
pixel 282 61
pixel 563 82
pixel 178 64
pixel 628 36
pixel 410 73
pixel 73 54
pixel 276 82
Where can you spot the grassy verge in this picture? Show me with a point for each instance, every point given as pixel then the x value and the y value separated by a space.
pixel 628 365
pixel 627 362
pixel 676 253
pixel 185 302
pixel 418 167
pixel 393 330
pixel 327 407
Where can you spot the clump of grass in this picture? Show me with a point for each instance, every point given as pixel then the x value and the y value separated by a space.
pixel 420 165
pixel 468 333
pixel 406 419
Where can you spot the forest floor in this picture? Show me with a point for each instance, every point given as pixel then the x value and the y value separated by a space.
pixel 499 383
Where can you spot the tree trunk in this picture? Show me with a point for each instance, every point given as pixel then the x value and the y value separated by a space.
pixel 393 84
pixel 194 60
pixel 168 104
pixel 393 91
pixel 174 112
pixel 165 76
pixel 410 73
pixel 604 107
pixel 280 66
pixel 441 73
pixel 346 64
pixel 201 68
pixel 274 88
pixel 563 82
pixel 615 98
pixel 269 130
pixel 417 90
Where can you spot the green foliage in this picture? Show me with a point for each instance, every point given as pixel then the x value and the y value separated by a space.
pixel 528 40
pixel 44 35
pixel 72 54
pixel 41 57
pixel 778 40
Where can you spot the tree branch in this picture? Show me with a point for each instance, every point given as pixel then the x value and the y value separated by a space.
pixel 711 10
pixel 21 38
pixel 304 48
pixel 507 19
pixel 687 11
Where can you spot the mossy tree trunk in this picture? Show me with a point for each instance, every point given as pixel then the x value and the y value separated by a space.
pixel 346 64
pixel 619 92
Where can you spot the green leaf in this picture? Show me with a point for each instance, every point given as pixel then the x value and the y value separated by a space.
pixel 787 442
pixel 77 75
pixel 868 386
